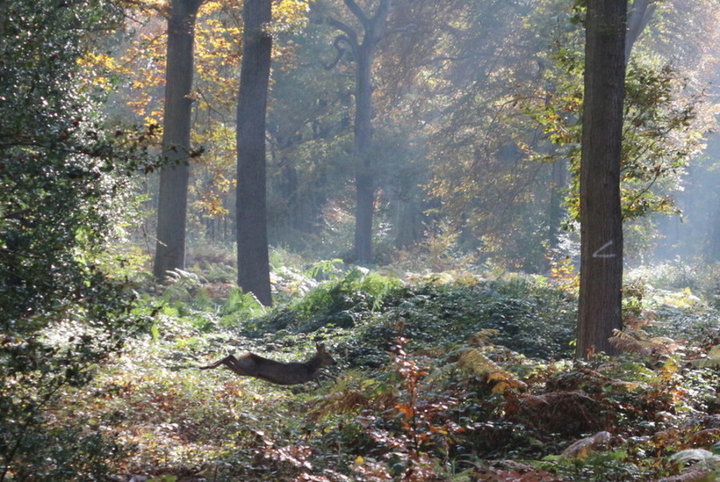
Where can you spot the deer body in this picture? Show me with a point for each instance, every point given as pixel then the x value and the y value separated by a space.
pixel 252 365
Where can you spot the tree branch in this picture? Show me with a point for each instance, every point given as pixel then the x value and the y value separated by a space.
pixel 350 34
pixel 340 50
pixel 381 12
pixel 358 12
pixel 640 15
pixel 374 30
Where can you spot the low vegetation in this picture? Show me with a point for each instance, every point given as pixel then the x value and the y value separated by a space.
pixel 447 376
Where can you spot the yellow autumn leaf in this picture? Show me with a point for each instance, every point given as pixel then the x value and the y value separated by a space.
pixel 292 11
pixel 210 7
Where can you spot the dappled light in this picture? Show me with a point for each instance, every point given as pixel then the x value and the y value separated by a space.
pixel 359 240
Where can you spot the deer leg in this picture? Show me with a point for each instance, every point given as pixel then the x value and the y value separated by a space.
pixel 245 366
pixel 224 361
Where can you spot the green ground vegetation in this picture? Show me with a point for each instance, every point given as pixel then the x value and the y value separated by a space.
pixel 444 376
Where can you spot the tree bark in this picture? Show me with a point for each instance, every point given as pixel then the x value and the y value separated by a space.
pixel 372 26
pixel 555 215
pixel 252 237
pixel 640 15
pixel 174 175
pixel 712 253
pixel 407 221
pixel 600 213
pixel 364 176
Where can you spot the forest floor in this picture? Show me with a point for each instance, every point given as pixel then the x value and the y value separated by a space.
pixel 446 376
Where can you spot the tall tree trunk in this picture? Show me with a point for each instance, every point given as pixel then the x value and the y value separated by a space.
pixel 600 213
pixel 407 220
pixel 172 199
pixel 555 215
pixel 363 50
pixel 712 252
pixel 364 176
pixel 252 237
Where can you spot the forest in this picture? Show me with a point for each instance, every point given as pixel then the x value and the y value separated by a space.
pixel 359 240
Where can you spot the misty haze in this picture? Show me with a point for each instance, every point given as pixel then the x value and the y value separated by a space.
pixel 359 240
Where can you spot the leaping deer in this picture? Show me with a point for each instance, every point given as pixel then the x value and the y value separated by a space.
pixel 293 373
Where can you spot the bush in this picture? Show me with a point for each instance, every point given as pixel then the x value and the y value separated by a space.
pixel 62 181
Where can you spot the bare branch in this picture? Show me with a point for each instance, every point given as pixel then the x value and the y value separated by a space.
pixel 350 34
pixel 374 30
pixel 640 15
pixel 337 43
pixel 358 12
pixel 381 12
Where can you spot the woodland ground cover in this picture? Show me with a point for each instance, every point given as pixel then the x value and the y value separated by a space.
pixel 446 376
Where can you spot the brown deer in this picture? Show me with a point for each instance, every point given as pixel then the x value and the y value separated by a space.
pixel 252 365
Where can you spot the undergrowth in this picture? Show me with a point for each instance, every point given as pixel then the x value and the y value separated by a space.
pixel 438 379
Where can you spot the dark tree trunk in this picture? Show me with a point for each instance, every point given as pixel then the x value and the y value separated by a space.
pixel 600 213
pixel 172 198
pixel 363 50
pixel 252 238
pixel 364 176
pixel 407 222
